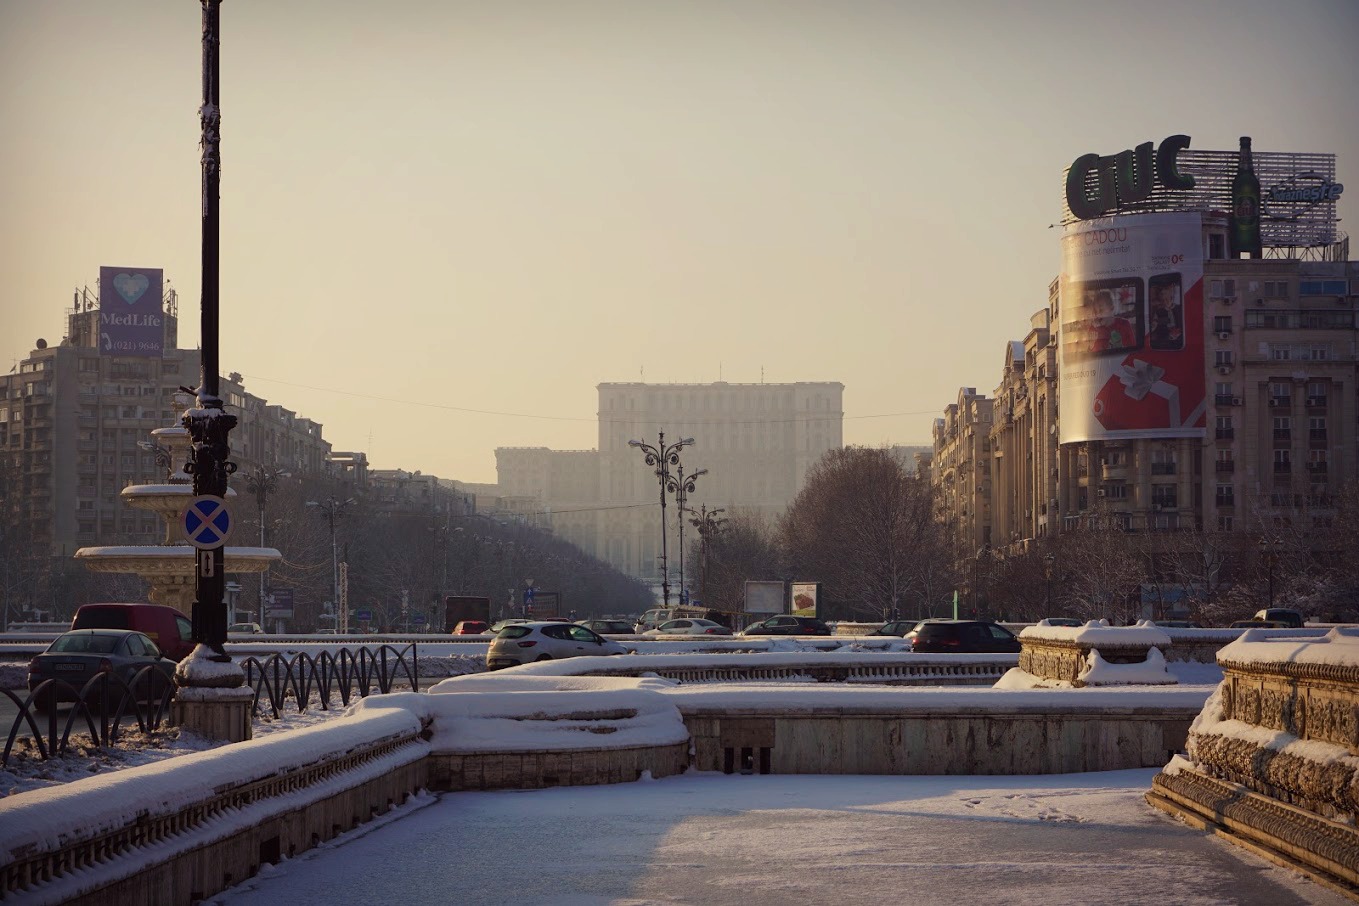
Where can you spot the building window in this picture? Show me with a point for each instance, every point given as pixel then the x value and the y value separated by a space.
pixel 1224 523
pixel 1222 323
pixel 1283 427
pixel 1226 495
pixel 1222 357
pixel 1225 430
pixel 1164 495
pixel 1283 461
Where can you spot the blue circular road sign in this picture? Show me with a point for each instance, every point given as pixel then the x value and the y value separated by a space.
pixel 206 522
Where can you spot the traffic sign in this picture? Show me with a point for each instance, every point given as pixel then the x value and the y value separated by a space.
pixel 363 616
pixel 206 522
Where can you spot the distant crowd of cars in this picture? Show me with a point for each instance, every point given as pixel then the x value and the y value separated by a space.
pixel 123 639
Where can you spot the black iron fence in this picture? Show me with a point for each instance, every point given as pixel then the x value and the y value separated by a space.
pixel 103 705
pixel 107 705
pixel 308 680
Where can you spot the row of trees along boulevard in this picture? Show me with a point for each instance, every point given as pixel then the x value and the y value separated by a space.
pixel 865 526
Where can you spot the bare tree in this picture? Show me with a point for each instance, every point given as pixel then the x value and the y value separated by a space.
pixel 745 547
pixel 1103 571
pixel 864 525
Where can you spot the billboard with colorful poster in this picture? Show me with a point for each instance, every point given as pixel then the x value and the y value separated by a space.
pixel 131 316
pixel 1131 342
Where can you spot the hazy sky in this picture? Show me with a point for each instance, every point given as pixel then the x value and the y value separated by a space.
pixel 434 207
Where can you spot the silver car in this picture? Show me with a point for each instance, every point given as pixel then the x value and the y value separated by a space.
pixel 523 643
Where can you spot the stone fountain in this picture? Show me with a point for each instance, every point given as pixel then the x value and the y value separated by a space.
pixel 169 567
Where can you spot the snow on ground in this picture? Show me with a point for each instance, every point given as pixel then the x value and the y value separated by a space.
pixel 768 841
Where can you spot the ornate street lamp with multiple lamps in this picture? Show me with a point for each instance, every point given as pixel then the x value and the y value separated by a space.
pixel 682 486
pixel 661 457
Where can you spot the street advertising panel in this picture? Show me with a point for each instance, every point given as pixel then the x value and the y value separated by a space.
pixel 805 596
pixel 765 596
pixel 280 602
pixel 1131 334
pixel 131 317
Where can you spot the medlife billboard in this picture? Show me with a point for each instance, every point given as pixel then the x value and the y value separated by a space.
pixel 1131 346
pixel 131 315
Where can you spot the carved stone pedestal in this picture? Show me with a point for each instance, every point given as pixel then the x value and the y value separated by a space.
pixel 1273 759
pixel 222 714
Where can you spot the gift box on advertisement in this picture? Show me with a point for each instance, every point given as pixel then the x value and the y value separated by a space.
pixel 1138 397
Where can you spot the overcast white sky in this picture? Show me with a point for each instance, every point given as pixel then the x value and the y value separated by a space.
pixel 497 206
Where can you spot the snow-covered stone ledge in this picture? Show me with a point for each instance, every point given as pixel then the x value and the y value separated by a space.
pixel 1273 758
pixel 1096 654
pixel 184 829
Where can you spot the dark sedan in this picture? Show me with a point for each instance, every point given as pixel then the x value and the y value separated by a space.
pixel 896 627
pixel 962 637
pixel 77 656
pixel 788 626
pixel 609 627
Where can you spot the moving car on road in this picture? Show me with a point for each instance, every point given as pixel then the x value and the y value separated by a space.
pixel 895 627
pixel 471 627
pixel 247 628
pixel 688 626
pixel 608 627
pixel 524 643
pixel 78 656
pixel 962 637
pixel 787 625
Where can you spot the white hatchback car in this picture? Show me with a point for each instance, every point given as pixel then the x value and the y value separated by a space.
pixel 688 626
pixel 523 643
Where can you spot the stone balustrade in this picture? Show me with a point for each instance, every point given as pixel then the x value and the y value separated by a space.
pixel 1064 653
pixel 1273 759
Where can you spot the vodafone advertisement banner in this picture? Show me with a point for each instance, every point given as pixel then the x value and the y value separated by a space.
pixel 1131 348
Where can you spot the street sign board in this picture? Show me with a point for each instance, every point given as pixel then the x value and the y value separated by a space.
pixel 364 616
pixel 206 522
pixel 419 619
pixel 281 604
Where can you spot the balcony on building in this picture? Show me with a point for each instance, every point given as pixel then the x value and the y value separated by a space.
pixel 1283 433
pixel 1316 402
pixel 1226 433
pixel 1225 465
pixel 1280 402
pixel 1114 471
pixel 1316 434
pixel 1163 468
pixel 1282 467
pixel 1226 399
pixel 1316 468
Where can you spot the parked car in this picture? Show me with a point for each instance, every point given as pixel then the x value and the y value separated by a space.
pixel 1176 624
pixel 962 637
pixel 658 615
pixel 501 624
pixel 168 628
pixel 895 627
pixel 786 625
pixel 1060 621
pixel 523 643
pixel 1260 624
pixel 688 626
pixel 250 628
pixel 471 627
pixel 1287 616
pixel 608 627
pixel 81 654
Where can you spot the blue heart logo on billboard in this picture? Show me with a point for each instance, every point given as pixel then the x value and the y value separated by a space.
pixel 131 286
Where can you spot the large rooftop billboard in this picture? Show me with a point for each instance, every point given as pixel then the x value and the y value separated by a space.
pixel 131 313
pixel 1130 354
pixel 1295 193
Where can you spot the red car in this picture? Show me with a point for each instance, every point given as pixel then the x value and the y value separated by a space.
pixel 471 627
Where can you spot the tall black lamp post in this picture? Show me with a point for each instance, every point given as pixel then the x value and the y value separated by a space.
pixel 682 486
pixel 1270 548
pixel 708 523
pixel 208 423
pixel 661 457
pixel 260 481
pixel 1048 561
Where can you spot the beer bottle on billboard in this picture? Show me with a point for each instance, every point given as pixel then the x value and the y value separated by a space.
pixel 1245 232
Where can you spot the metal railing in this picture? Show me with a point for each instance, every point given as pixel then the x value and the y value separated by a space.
pixel 106 705
pixel 101 706
pixel 277 677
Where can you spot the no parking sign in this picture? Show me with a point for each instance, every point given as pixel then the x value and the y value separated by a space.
pixel 206 522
